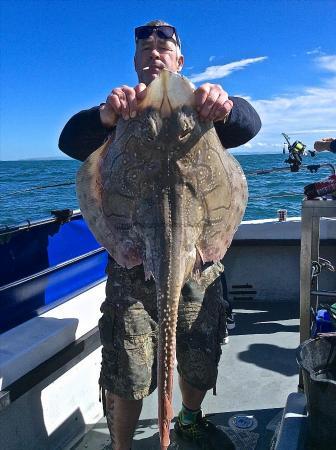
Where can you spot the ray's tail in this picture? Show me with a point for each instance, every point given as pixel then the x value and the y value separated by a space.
pixel 170 272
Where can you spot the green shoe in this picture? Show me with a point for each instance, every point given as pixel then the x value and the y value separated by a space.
pixel 204 434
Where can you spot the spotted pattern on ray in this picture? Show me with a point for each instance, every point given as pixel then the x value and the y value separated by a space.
pixel 164 193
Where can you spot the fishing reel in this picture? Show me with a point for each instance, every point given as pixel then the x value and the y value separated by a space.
pixel 296 151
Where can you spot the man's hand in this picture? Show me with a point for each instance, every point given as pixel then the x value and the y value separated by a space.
pixel 323 144
pixel 123 101
pixel 212 102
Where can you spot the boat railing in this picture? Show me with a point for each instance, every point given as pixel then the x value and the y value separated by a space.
pixel 57 216
pixel 312 212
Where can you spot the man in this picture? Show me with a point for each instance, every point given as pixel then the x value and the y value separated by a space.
pixel 325 144
pixel 128 326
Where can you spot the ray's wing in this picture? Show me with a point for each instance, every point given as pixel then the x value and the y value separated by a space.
pixel 217 195
pixel 107 205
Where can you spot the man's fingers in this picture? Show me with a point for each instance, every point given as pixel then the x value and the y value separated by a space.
pixel 218 107
pixel 123 101
pixel 206 110
pixel 212 102
pixel 109 111
pixel 201 95
pixel 113 102
pixel 140 91
pixel 124 108
pixel 131 100
pixel 221 109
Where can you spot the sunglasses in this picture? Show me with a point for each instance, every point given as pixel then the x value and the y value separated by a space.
pixel 163 32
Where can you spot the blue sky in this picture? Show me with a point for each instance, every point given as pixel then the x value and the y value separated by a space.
pixel 59 57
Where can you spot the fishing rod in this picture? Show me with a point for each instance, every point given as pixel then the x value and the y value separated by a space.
pixel 311 167
pixel 35 188
pixel 296 152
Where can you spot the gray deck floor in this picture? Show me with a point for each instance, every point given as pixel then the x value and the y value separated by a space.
pixel 257 371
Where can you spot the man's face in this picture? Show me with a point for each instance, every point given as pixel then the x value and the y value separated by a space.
pixel 156 54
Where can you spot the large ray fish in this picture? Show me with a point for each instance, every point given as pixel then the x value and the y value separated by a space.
pixel 164 193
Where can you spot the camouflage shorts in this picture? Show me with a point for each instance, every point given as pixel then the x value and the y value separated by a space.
pixel 128 330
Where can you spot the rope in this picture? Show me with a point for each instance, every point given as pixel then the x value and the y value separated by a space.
pixel 266 171
pixel 69 183
pixel 35 188
pixel 265 197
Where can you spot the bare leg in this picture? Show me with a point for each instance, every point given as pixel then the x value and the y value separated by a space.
pixel 122 417
pixel 192 398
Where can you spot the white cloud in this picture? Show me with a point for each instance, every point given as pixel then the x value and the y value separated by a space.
pixel 309 115
pixel 327 62
pixel 315 51
pixel 211 58
pixel 313 111
pixel 314 131
pixel 267 144
pixel 217 72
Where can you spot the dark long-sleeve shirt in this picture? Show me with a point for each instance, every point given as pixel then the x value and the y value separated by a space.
pixel 84 132
pixel 333 146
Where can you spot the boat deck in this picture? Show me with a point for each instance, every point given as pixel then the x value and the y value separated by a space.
pixel 257 371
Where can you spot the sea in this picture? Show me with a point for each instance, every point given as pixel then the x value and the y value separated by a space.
pixel 31 189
